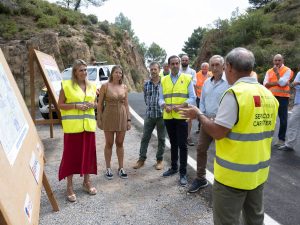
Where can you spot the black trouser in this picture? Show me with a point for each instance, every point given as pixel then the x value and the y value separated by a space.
pixel 198 105
pixel 178 131
pixel 283 116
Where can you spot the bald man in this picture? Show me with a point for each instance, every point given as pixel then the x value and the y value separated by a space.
pixel 277 80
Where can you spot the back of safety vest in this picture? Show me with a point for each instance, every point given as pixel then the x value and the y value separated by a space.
pixel 243 156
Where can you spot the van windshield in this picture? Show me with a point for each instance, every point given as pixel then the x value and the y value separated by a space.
pixel 92 74
pixel 67 74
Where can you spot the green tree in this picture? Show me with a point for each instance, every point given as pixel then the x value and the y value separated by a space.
pixel 123 23
pixel 259 3
pixel 155 53
pixel 194 42
pixel 76 4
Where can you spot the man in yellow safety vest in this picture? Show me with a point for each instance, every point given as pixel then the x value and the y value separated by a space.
pixel 176 91
pixel 243 130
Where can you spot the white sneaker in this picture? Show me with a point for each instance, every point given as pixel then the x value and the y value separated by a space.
pixel 122 174
pixel 108 174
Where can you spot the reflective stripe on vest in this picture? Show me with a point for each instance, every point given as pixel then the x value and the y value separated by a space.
pixel 242 167
pixel 75 120
pixel 175 94
pixel 250 137
pixel 243 156
pixel 278 90
pixel 78 117
pixel 274 90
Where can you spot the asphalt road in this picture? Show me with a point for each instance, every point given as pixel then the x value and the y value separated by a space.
pixel 282 199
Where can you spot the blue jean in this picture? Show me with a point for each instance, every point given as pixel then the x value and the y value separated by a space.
pixel 178 131
pixel 293 130
pixel 149 125
pixel 283 116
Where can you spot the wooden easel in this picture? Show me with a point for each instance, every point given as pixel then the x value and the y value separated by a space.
pixel 36 56
pixel 21 158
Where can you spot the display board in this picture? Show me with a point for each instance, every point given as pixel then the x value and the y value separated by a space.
pixel 21 155
pixel 50 73
pixel 52 78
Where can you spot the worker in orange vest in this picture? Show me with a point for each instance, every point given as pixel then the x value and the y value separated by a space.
pixel 277 80
pixel 201 76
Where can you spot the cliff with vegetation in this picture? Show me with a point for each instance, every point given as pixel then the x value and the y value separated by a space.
pixel 66 35
pixel 272 29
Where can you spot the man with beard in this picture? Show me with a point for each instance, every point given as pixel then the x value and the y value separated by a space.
pixel 185 68
pixel 176 91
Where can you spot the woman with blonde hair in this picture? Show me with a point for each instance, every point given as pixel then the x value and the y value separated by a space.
pixel 77 101
pixel 114 119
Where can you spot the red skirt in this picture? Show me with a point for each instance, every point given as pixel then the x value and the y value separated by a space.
pixel 79 156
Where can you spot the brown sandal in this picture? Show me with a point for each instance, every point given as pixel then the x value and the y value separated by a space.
pixel 89 190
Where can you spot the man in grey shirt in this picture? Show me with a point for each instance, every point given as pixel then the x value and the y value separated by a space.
pixel 212 92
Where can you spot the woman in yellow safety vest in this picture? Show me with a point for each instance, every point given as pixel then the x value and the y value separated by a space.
pixel 77 101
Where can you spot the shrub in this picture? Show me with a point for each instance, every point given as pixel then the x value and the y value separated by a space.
pixel 63 31
pixel 47 22
pixel 93 18
pixel 27 9
pixel 85 21
pixel 265 41
pixel 290 33
pixel 105 27
pixel 88 38
pixel 8 27
pixel 4 9
pixel 119 36
pixel 270 7
pixel 49 10
pixel 69 17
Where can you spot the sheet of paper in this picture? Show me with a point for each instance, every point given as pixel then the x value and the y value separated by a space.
pixel 35 167
pixel 28 207
pixel 13 125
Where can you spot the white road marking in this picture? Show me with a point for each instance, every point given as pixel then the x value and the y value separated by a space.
pixel 209 175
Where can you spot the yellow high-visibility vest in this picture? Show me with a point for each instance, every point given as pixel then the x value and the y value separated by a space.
pixel 75 120
pixel 243 156
pixel 175 94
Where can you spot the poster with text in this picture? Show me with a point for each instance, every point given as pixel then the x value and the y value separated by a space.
pixel 13 125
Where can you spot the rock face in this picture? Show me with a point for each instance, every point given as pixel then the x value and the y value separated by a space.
pixel 66 49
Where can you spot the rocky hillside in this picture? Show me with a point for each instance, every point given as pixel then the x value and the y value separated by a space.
pixel 66 36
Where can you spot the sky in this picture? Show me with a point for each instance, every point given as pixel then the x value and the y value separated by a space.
pixel 168 23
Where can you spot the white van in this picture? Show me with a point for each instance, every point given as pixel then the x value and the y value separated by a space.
pixel 97 74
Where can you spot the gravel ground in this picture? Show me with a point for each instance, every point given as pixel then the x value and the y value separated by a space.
pixel 144 198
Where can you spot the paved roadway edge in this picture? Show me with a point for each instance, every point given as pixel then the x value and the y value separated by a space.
pixel 209 176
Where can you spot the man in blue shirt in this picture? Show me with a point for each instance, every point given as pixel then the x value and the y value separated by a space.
pixel 176 126
pixel 153 119
pixel 293 130
pixel 212 92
